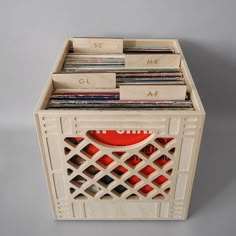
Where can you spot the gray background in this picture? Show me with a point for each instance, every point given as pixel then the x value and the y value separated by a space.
pixel 33 32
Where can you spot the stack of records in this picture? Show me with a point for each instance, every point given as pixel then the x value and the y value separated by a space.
pixel 81 63
pixel 148 49
pixel 147 77
pixel 110 100
pixel 75 62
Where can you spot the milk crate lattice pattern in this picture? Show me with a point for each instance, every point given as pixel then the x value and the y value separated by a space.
pixel 143 172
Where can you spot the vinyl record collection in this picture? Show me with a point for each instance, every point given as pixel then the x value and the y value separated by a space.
pixel 161 82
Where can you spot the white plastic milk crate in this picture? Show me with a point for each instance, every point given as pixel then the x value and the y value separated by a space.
pixel 119 164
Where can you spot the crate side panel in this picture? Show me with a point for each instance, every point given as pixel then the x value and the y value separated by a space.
pixel 74 126
pixel 50 132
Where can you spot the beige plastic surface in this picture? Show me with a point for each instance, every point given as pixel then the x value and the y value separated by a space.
pixel 73 201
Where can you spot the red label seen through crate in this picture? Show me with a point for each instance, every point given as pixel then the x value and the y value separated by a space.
pixel 119 137
pixel 126 138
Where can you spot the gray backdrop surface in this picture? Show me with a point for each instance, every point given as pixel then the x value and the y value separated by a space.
pixel 33 32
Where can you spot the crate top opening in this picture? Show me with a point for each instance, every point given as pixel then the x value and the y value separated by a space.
pixel 144 74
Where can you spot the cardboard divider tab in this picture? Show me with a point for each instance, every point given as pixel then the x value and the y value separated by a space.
pixel 171 61
pixel 153 92
pixel 97 45
pixel 84 81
